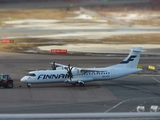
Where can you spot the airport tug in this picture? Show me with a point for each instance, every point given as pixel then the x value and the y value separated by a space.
pixel 6 81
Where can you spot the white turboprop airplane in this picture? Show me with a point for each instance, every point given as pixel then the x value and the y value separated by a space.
pixel 74 75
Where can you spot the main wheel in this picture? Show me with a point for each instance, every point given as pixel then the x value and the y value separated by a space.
pixel 74 84
pixel 9 85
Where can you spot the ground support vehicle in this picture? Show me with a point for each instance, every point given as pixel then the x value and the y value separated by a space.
pixel 6 81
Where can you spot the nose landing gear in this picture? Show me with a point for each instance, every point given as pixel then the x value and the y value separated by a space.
pixel 28 85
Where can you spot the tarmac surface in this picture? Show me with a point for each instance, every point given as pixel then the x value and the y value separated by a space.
pixel 120 95
pixel 133 93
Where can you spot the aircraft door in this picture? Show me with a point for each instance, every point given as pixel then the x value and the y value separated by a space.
pixel 113 74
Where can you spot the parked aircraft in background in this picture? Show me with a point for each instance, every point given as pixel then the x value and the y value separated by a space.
pixel 75 75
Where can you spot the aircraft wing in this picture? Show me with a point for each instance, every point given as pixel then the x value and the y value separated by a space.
pixel 56 66
pixel 64 66
pixel 61 65
pixel 83 70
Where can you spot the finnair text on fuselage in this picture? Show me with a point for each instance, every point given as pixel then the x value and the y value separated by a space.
pixel 66 76
pixel 53 76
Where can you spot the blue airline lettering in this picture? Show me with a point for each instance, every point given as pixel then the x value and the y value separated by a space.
pixel 131 58
pixel 53 76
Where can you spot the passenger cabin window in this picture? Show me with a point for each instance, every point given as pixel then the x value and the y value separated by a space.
pixel 31 74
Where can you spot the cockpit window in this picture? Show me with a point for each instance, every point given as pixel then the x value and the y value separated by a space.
pixel 31 74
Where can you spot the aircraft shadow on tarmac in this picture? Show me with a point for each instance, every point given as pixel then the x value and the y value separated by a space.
pixel 94 84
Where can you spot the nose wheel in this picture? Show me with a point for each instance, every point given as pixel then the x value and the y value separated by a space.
pixel 28 85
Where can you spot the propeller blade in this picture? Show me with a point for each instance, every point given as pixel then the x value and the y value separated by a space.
pixel 54 66
pixel 69 69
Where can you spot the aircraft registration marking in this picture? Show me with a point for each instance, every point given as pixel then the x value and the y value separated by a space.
pixel 107 76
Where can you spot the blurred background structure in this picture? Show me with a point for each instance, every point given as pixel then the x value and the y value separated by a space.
pixel 110 4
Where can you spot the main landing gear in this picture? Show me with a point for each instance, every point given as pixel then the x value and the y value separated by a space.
pixel 80 84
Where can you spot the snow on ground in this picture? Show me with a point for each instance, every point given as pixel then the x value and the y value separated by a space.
pixel 31 21
pixel 134 16
pixel 53 26
pixel 83 16
pixel 28 22
pixel 81 35
pixel 95 30
pixel 70 30
pixel 88 35
pixel 101 48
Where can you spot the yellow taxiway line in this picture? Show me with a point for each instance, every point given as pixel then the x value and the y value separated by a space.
pixel 155 79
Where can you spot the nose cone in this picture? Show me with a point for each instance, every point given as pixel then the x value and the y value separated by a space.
pixel 23 79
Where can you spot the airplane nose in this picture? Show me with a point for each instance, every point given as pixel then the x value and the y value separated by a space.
pixel 23 79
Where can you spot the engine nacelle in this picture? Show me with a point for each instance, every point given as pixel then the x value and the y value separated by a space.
pixel 75 71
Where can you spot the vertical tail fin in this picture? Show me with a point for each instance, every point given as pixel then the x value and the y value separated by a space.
pixel 131 61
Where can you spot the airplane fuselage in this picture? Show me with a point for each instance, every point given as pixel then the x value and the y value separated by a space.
pixel 75 75
pixel 52 76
